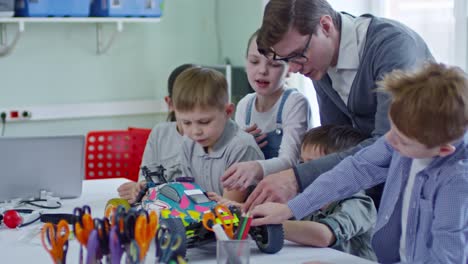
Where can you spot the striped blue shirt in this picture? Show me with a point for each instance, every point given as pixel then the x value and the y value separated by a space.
pixel 437 228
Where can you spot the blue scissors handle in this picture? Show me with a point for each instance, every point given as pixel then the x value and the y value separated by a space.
pixel 102 227
pixel 168 244
pixel 133 253
pixel 130 221
pixel 120 222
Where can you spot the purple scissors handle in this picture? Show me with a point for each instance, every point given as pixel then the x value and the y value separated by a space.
pixel 93 249
pixel 116 249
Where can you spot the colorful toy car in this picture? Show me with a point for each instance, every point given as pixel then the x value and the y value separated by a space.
pixel 182 205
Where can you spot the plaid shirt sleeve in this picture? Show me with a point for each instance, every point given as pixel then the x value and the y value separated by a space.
pixel 365 169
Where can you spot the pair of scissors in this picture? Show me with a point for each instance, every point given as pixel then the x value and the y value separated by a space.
pixel 102 227
pixel 115 246
pixel 109 213
pixel 145 231
pixel 168 243
pixel 121 224
pixel 82 227
pixel 220 214
pixel 93 248
pixel 55 240
pixel 127 235
pixel 119 239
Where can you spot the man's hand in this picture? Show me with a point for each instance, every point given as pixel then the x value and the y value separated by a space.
pixel 242 175
pixel 270 213
pixel 257 134
pixel 130 190
pixel 278 187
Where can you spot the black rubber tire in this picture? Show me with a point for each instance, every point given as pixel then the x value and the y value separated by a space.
pixel 176 225
pixel 269 238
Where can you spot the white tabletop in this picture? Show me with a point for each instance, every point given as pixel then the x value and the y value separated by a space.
pixel 23 245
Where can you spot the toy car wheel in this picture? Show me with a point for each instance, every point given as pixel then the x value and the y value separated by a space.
pixel 176 226
pixel 269 238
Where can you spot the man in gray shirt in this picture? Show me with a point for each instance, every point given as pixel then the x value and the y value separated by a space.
pixel 344 56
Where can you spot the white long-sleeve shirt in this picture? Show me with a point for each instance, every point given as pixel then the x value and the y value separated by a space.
pixel 296 121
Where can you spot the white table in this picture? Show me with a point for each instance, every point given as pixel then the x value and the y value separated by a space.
pixel 20 246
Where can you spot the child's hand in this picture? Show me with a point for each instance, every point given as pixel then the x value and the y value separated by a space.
pixel 270 213
pixel 242 175
pixel 126 190
pixel 219 199
pixel 139 186
pixel 257 134
pixel 214 196
pixel 130 190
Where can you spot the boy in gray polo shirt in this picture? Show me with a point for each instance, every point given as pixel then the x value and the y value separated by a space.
pixel 213 142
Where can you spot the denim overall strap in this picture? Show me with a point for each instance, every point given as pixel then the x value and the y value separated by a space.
pixel 248 113
pixel 275 137
pixel 279 118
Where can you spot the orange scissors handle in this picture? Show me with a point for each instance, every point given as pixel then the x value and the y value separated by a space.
pixel 110 214
pixel 209 220
pixel 55 239
pixel 145 230
pixel 219 215
pixel 226 219
pixel 83 228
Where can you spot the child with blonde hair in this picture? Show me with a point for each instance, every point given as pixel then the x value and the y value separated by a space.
pixel 163 145
pixel 213 142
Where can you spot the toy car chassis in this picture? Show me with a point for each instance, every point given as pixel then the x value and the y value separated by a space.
pixel 181 205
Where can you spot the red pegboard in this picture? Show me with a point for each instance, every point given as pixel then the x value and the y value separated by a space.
pixel 115 153
pixel 139 137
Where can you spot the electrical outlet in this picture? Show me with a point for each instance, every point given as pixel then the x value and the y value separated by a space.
pixel 16 115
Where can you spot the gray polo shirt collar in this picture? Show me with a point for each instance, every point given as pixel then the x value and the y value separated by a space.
pixel 348 56
pixel 230 130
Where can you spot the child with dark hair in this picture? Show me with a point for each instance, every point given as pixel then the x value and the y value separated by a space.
pixel 330 139
pixel 163 145
pixel 344 225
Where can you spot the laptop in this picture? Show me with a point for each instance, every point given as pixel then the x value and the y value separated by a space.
pixel 29 165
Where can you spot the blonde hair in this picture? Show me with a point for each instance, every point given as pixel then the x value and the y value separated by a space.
pixel 199 87
pixel 429 105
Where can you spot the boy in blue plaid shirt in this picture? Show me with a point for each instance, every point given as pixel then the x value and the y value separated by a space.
pixel 424 161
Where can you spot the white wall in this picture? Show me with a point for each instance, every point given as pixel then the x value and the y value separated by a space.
pixel 461 34
pixel 354 7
